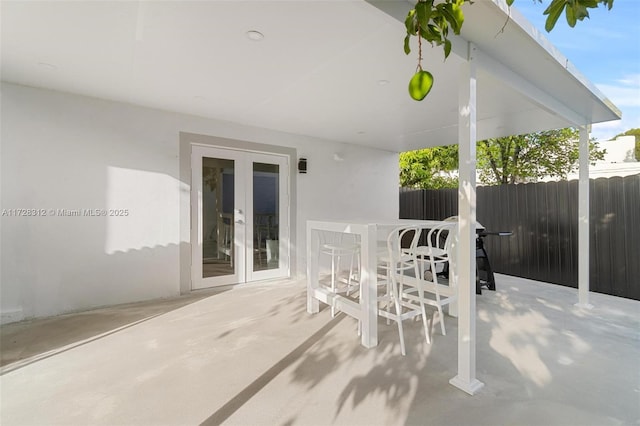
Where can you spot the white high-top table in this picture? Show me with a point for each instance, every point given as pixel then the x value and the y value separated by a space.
pixel 370 233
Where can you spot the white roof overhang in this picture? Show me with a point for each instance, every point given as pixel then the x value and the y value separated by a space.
pixel 333 70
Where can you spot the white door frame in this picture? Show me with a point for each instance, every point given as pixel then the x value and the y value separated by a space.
pixel 243 216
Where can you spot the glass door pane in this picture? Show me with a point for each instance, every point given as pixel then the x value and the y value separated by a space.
pixel 217 217
pixel 268 206
pixel 266 236
pixel 218 249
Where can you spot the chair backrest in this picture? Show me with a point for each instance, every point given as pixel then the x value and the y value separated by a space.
pixel 440 239
pixel 338 239
pixel 397 244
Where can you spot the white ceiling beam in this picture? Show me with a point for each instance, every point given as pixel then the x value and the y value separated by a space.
pixel 539 97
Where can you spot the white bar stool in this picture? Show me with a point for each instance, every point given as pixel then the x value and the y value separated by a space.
pixel 338 246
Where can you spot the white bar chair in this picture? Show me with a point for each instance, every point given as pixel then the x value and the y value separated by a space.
pixel 434 255
pixel 397 262
pixel 338 246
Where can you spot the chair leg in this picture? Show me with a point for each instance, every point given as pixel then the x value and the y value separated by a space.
pixel 333 284
pixel 400 332
pixel 399 321
pixel 434 279
pixel 350 275
pixel 425 322
pixel 419 271
pixel 441 319
pixel 438 303
pixel 388 295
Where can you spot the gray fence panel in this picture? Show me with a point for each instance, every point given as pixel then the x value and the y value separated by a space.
pixel 544 220
pixel 600 206
pixel 411 203
pixel 631 251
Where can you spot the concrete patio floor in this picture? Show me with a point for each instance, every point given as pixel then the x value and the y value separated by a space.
pixel 253 356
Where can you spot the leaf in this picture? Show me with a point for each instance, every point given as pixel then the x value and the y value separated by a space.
pixel 453 14
pixel 435 31
pixel 410 22
pixel 431 34
pixel 509 2
pixel 571 16
pixel 423 13
pixel 447 48
pixel 580 11
pixel 459 15
pixel 407 47
pixel 427 35
pixel 554 11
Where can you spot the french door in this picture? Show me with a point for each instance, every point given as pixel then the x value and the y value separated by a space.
pixel 239 216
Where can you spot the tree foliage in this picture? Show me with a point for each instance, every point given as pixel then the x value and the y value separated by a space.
pixel 431 20
pixel 429 168
pixel 530 157
pixel 512 159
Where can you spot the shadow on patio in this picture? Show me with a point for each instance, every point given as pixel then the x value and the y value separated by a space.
pixel 254 356
pixel 32 340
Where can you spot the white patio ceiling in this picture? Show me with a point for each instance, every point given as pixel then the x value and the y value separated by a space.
pixel 318 71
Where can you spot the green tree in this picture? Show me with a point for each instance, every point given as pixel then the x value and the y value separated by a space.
pixel 530 157
pixel 429 168
pixel 636 133
pixel 431 20
pixel 512 159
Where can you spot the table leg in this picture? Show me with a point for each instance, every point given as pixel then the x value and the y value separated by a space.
pixel 369 287
pixel 453 275
pixel 313 242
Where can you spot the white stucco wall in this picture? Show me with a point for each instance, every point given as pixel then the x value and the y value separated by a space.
pixel 619 150
pixel 619 160
pixel 62 151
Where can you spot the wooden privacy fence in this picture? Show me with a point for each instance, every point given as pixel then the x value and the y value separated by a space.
pixel 544 220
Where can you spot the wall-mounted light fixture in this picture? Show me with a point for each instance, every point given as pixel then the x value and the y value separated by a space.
pixel 302 165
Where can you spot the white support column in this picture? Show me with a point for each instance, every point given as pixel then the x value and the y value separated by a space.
pixel 583 220
pixel 466 263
